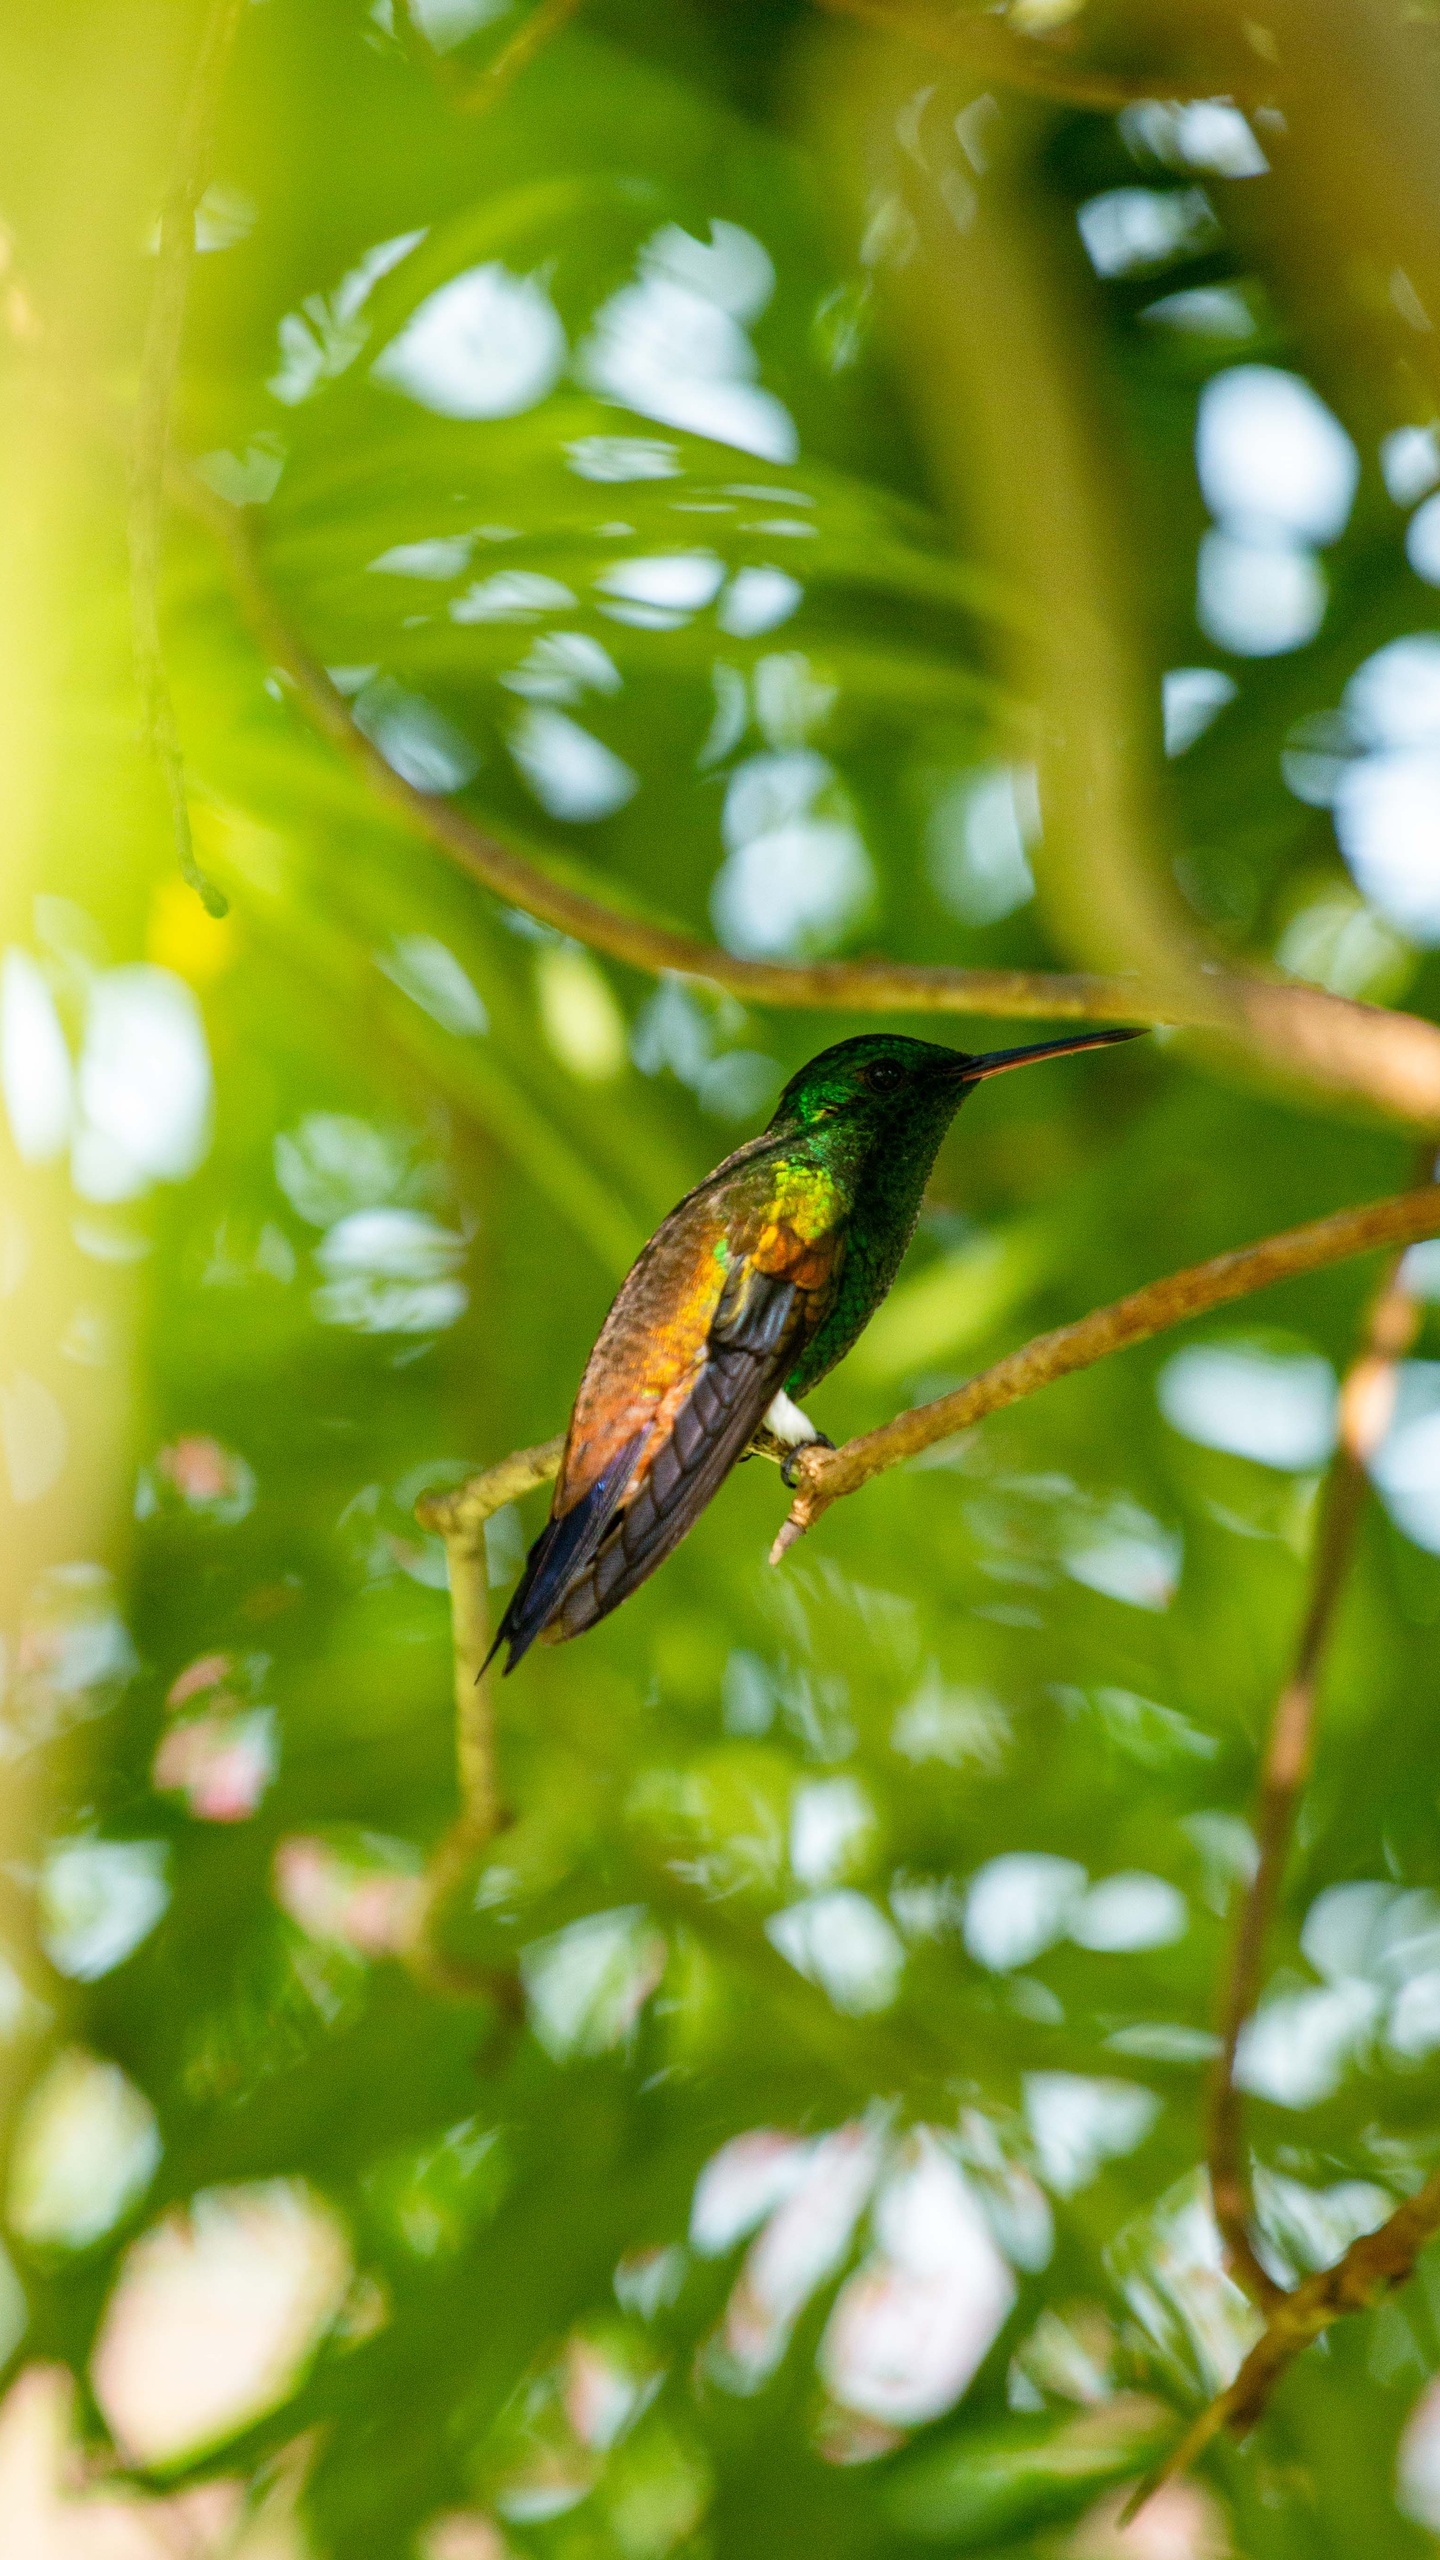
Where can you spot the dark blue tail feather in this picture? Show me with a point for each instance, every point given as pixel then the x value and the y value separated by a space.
pixel 563 1549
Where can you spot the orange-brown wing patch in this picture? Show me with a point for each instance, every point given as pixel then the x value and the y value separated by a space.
pixel 652 1346
pixel 650 1349
pixel 782 1254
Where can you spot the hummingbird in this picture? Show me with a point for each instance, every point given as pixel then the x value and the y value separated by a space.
pixel 756 1284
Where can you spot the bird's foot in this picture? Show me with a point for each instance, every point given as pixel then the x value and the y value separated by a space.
pixel 789 1463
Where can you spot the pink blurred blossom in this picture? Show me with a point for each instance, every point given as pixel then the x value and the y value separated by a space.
pixel 340 1901
pixel 203 1474
pixel 462 2535
pixel 1183 2521
pixel 207 1673
pixel 57 2503
pixel 805 2241
pixel 843 2438
pixel 911 2328
pixel 221 1764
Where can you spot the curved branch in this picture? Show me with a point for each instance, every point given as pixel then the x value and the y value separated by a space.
pixel 878 986
pixel 1393 1059
pixel 1367 1403
pixel 474 96
pixel 459 1517
pixel 1371 2267
pixel 986 46
pixel 491 84
pixel 825 1476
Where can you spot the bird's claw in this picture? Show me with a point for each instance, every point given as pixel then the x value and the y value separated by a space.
pixel 789 1464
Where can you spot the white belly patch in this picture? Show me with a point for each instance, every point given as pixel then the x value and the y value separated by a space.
pixel 789 1425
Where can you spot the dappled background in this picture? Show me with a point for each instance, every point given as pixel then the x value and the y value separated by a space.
pixel 814 2163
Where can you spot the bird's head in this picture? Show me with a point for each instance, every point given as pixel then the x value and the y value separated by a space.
pixel 887 1084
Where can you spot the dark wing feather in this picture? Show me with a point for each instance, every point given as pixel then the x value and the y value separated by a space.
pixel 749 1354
pixel 562 1550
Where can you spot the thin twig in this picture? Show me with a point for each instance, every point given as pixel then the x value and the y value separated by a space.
pixel 1367 1404
pixel 1371 2267
pixel 474 97
pixel 982 43
pixel 460 1517
pixel 1384 2258
pixel 825 1476
pixel 1392 1059
pixel 159 364
pixel 487 90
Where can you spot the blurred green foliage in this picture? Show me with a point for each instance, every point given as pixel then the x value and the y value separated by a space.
pixel 749 1811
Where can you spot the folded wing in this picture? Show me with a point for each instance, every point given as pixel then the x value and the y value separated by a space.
pixel 599 1551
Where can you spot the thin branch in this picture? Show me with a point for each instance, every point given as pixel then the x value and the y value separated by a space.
pixel 474 97
pixel 513 58
pixel 983 44
pixel 159 364
pixel 460 1517
pixel 825 1476
pixel 1371 2267
pixel 1367 1403
pixel 1384 2258
pixel 1392 1059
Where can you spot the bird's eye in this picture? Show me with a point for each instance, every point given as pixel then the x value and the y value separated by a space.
pixel 884 1076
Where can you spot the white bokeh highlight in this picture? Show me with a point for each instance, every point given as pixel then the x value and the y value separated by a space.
pixel 674 344
pixel 487 344
pixel 215 2316
pixel 1278 1408
pixel 911 2328
pixel 1279 474
pixel 85 2147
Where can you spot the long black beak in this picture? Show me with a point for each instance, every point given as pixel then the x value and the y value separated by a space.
pixel 997 1061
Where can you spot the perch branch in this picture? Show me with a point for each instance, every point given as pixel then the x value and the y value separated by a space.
pixel 459 1518
pixel 824 1476
pixel 1393 1059
pixel 159 362
pixel 1367 1403
pixel 983 44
